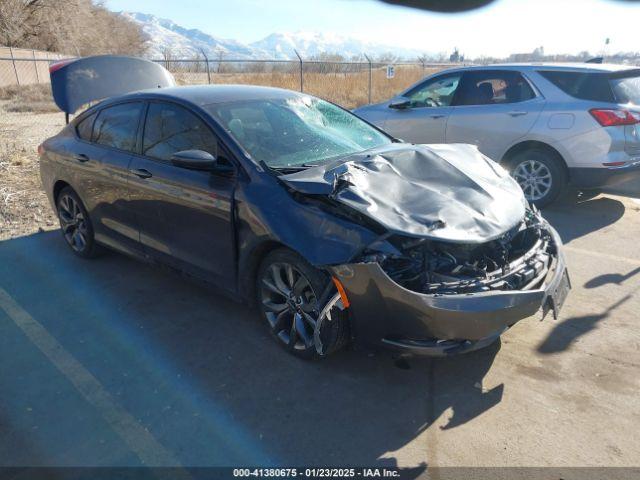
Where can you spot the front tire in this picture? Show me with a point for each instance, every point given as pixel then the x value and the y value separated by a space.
pixel 540 174
pixel 75 224
pixel 291 294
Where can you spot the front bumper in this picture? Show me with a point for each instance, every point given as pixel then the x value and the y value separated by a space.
pixel 604 177
pixel 385 313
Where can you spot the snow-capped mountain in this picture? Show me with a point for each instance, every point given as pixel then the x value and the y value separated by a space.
pixel 168 38
pixel 282 45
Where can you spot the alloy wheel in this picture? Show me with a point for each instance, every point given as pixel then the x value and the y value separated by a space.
pixel 73 223
pixel 534 177
pixel 290 305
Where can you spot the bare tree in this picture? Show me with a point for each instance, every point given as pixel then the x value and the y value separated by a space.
pixel 78 27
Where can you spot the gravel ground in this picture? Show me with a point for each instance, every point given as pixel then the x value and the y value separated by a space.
pixel 24 208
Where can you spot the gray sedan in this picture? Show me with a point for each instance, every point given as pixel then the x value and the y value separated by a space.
pixel 549 124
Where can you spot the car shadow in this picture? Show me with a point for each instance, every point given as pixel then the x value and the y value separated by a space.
pixel 565 334
pixel 235 397
pixel 610 278
pixel 577 215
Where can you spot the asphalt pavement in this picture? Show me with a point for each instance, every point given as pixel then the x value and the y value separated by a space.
pixel 114 362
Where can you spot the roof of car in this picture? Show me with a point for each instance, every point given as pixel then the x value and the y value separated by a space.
pixel 591 67
pixel 210 94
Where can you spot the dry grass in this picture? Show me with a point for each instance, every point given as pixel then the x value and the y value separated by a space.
pixel 34 98
pixel 24 207
pixel 347 89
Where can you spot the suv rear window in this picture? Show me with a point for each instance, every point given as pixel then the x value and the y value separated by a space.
pixel 582 85
pixel 626 87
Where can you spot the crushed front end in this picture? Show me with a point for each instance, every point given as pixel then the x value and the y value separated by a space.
pixel 431 297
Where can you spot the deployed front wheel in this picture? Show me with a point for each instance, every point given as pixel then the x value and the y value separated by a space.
pixel 291 295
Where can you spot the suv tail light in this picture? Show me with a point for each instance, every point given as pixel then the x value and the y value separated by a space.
pixel 40 149
pixel 609 117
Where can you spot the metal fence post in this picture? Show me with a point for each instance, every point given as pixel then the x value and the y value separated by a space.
pixel 15 70
pixel 35 65
pixel 301 74
pixel 370 75
pixel 206 59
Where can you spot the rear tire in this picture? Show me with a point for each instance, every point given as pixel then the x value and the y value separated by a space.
pixel 540 174
pixel 290 294
pixel 76 226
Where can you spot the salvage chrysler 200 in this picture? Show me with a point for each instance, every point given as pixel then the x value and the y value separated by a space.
pixel 337 231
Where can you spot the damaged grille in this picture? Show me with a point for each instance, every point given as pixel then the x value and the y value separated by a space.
pixel 518 260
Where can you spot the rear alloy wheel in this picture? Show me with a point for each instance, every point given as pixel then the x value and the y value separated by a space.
pixel 539 175
pixel 290 295
pixel 75 224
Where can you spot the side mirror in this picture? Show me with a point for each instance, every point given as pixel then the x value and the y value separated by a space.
pixel 194 160
pixel 400 103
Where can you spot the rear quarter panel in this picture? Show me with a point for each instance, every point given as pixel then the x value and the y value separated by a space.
pixel 566 125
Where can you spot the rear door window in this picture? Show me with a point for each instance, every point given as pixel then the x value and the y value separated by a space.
pixel 85 127
pixel 491 87
pixel 583 85
pixel 117 126
pixel 171 128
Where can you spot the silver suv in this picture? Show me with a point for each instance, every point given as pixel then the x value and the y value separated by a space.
pixel 549 124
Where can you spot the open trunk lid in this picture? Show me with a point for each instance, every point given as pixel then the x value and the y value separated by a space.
pixel 79 81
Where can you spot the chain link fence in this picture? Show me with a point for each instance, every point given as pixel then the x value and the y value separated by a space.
pixel 348 83
pixel 19 66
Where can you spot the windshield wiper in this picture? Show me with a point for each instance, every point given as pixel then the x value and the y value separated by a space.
pixel 293 168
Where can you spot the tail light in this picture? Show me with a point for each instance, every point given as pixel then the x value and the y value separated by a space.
pixel 610 117
pixel 58 65
pixel 40 149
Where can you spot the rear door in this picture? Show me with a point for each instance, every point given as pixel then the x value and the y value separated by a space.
pixel 493 109
pixel 184 216
pixel 102 156
pixel 424 119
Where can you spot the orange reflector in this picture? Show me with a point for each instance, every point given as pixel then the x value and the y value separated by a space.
pixel 341 291
pixel 614 164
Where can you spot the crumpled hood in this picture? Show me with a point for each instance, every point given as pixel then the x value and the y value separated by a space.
pixel 443 192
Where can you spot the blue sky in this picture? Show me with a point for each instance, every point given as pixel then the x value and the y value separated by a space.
pixel 506 26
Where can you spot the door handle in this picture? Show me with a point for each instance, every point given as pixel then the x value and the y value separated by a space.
pixel 81 157
pixel 142 173
pixel 517 113
pixel 437 115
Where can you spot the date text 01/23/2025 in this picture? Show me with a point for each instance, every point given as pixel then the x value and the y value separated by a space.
pixel 317 472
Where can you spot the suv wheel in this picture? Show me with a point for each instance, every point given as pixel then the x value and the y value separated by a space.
pixel 539 174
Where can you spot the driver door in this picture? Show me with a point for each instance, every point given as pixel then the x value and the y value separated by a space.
pixel 424 118
pixel 184 216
